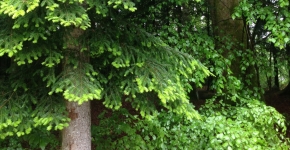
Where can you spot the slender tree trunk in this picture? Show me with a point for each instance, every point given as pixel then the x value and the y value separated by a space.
pixel 258 75
pixel 210 78
pixel 276 70
pixel 77 136
pixel 276 78
pixel 251 45
pixel 269 78
pixel 269 82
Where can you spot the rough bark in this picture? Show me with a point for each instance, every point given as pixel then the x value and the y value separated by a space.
pixel 77 136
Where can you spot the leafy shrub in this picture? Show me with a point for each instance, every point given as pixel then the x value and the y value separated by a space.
pixel 251 125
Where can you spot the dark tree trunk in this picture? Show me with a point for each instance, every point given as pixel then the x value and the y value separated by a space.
pixel 194 95
pixel 269 78
pixel 276 69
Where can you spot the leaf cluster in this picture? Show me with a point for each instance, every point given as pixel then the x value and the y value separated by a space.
pixel 274 13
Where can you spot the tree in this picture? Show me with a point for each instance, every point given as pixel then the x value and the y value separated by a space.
pixel 66 53
pixel 233 40
pixel 59 55
pixel 250 26
pixel 77 135
pixel 271 20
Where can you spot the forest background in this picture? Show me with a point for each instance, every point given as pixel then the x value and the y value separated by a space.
pixel 132 74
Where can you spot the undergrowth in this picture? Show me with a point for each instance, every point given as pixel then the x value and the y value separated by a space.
pixel 251 125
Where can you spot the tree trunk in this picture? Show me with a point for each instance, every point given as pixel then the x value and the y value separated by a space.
pixel 77 136
pixel 276 72
pixel 274 51
pixel 224 26
pixel 269 78
pixel 286 90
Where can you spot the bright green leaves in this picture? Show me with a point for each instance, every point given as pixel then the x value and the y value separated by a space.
pixel 120 61
pixel 280 32
pixel 7 34
pixel 71 1
pixel 24 115
pixel 283 3
pixel 48 122
pixel 113 97
pixel 9 49
pixel 143 70
pixel 15 8
pixel 78 84
pixel 101 8
pixel 144 84
pixel 171 94
pixel 29 56
pixel 49 116
pixel 68 15
pixel 126 4
pixel 31 5
pixel 31 22
pixel 50 4
pixel 21 34
pixel 11 124
pixel 52 58
pixel 156 72
pixel 230 126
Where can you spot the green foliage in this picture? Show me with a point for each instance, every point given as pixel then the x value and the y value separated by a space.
pixel 143 52
pixel 77 87
pixel 115 56
pixel 39 138
pixel 68 15
pixel 25 116
pixel 249 126
pixel 274 13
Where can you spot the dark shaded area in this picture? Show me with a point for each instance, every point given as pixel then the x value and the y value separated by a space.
pixel 98 107
pixel 280 100
pixel 4 64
